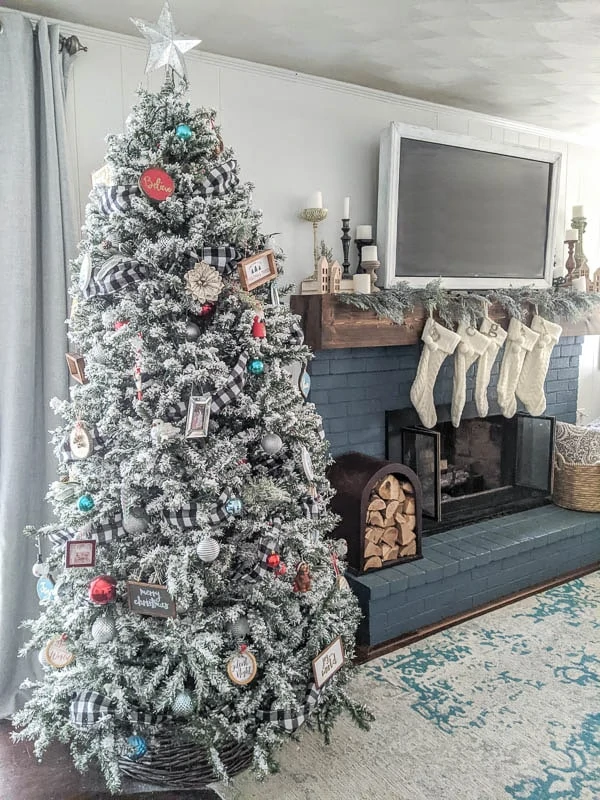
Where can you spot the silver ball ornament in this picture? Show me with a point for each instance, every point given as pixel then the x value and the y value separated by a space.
pixel 239 629
pixel 192 331
pixel 271 443
pixel 104 630
pixel 208 550
pixel 183 705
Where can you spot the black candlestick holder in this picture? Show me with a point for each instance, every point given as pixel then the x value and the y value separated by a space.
pixel 346 239
pixel 360 243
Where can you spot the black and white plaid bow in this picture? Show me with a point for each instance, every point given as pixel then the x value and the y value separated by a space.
pixel 296 333
pixel 220 179
pixel 185 517
pixel 223 259
pixel 115 274
pixel 176 412
pixel 266 546
pixel 218 512
pixel 279 462
pixel 311 506
pixel 108 530
pixel 233 386
pixel 320 428
pixel 59 536
pixel 116 199
pixel 88 707
pixel 290 718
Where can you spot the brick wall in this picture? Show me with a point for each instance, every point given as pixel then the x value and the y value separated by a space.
pixel 353 388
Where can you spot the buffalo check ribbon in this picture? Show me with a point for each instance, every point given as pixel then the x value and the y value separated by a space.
pixel 115 274
pixel 116 199
pixel 291 718
pixel 220 179
pixel 233 386
pixel 88 707
pixel 223 258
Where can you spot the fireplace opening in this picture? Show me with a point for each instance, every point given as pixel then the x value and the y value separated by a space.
pixel 482 469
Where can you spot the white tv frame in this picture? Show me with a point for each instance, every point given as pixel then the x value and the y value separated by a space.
pixel 387 209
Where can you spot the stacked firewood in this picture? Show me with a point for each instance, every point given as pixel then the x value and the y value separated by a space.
pixel 391 523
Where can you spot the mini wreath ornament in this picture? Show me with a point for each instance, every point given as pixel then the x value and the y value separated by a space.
pixel 204 283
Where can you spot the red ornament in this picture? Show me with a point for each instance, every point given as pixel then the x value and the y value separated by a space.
pixel 259 330
pixel 102 590
pixel 120 324
pixel 273 560
pixel 156 184
pixel 206 308
pixel 282 569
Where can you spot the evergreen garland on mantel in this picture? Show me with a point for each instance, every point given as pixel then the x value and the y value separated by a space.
pixel 453 307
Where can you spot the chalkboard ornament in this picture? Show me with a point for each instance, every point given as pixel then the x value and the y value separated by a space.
pixel 150 599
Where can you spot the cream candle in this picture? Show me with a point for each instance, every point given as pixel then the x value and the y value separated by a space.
pixel 346 213
pixel 361 284
pixel 368 253
pixel 364 232
pixel 577 211
pixel 315 200
pixel 580 284
pixel 571 235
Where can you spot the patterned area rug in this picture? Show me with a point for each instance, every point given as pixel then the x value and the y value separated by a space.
pixel 503 707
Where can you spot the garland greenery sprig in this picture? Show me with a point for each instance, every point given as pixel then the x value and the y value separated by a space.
pixel 453 307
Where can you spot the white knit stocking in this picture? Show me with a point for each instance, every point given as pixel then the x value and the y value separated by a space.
pixel 521 340
pixel 439 343
pixel 472 345
pixel 496 338
pixel 530 387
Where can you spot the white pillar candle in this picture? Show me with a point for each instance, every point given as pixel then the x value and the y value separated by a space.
pixel 571 235
pixel 578 211
pixel 315 200
pixel 579 284
pixel 369 253
pixel 346 214
pixel 361 284
pixel 364 232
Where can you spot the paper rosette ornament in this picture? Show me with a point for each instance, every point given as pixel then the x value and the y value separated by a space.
pixel 204 283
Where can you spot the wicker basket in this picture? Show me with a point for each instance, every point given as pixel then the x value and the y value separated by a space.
pixel 576 486
pixel 184 765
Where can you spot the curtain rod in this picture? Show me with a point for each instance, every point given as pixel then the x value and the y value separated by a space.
pixel 69 43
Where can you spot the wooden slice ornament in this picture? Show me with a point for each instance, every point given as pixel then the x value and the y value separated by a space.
pixel 242 668
pixel 57 652
pixel 156 184
pixel 80 441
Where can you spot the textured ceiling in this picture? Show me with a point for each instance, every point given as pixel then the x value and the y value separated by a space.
pixel 532 60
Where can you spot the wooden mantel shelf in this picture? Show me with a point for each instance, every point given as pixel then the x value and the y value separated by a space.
pixel 329 324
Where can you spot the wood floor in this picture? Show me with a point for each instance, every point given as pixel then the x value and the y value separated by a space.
pixel 23 778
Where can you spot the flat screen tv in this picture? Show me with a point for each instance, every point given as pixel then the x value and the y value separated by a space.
pixel 476 214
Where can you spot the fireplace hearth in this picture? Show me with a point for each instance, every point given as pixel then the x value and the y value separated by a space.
pixel 482 469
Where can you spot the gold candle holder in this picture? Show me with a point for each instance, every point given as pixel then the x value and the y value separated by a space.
pixel 314 215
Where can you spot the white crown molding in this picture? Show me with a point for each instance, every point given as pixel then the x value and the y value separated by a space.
pixel 86 32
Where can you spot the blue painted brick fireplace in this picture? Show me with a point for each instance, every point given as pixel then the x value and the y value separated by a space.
pixel 470 566
pixel 353 388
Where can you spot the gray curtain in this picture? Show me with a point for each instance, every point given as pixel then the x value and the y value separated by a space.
pixel 37 237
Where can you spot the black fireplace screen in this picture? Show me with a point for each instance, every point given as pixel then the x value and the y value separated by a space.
pixel 483 468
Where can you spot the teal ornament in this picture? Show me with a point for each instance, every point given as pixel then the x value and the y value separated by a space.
pixel 233 505
pixel 45 588
pixel 183 131
pixel 85 502
pixel 256 366
pixel 137 747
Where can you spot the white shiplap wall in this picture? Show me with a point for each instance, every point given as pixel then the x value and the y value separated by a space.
pixel 294 134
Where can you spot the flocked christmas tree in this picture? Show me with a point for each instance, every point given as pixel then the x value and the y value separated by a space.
pixel 187 585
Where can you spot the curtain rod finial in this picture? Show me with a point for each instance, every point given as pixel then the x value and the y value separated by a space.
pixel 71 44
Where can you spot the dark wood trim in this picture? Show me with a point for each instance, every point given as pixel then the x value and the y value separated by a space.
pixel 330 325
pixel 366 653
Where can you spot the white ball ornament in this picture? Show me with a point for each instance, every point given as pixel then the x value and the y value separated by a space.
pixel 271 443
pixel 183 705
pixel 104 630
pixel 39 569
pixel 208 550
pixel 42 658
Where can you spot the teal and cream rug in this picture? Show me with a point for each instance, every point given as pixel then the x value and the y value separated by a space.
pixel 503 707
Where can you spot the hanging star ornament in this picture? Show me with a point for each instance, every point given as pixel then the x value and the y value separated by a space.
pixel 167 45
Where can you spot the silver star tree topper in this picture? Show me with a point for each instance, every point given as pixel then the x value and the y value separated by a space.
pixel 167 45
